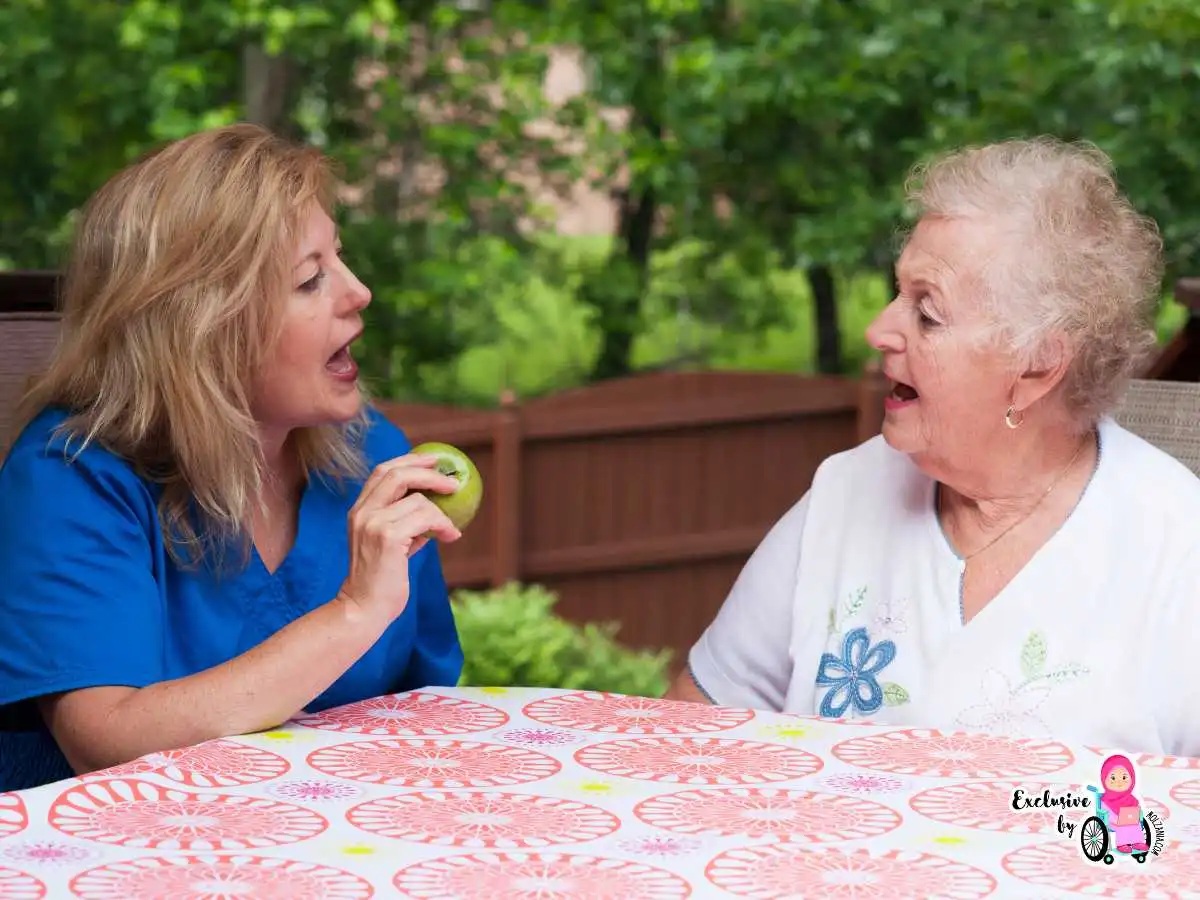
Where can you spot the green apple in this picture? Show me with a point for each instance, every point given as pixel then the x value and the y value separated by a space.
pixel 461 506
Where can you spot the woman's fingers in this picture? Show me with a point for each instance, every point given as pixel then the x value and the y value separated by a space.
pixel 417 516
pixel 394 479
pixel 381 471
pixel 411 520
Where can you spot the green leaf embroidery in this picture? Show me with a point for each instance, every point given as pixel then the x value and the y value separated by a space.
pixel 1033 655
pixel 893 694
pixel 832 620
pixel 856 602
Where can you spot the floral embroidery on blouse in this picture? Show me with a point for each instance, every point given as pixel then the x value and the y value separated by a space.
pixel 1013 709
pixel 890 617
pixel 852 677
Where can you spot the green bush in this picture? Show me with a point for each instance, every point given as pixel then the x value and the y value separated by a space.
pixel 511 637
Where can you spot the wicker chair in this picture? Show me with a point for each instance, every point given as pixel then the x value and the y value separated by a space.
pixel 29 328
pixel 1167 414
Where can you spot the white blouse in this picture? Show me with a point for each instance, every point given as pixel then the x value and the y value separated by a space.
pixel 851 607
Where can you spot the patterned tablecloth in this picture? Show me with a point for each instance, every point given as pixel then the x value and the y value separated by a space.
pixel 505 794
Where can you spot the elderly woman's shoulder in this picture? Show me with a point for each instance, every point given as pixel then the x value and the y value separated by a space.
pixel 1145 475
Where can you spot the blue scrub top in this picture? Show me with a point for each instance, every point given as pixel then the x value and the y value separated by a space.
pixel 90 596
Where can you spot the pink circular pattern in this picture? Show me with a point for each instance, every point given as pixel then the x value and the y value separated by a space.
pixel 1151 760
pixel 14 817
pixel 698 761
pixel 618 714
pixel 484 821
pixel 855 783
pixel 434 763
pixel 803 816
pixel 210 877
pixel 1187 793
pixel 1062 865
pixel 417 715
pixel 933 754
pixel 48 853
pixel 659 845
pixel 16 885
pixel 539 737
pixel 779 871
pixel 140 814
pixel 534 876
pixel 987 806
pixel 315 791
pixel 215 764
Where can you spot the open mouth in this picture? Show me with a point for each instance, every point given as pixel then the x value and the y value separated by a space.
pixel 903 393
pixel 342 363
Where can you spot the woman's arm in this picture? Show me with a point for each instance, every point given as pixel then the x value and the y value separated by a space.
pixel 84 618
pixel 99 727
pixel 685 689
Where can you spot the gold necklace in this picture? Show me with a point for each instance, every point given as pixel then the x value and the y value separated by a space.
pixel 1032 509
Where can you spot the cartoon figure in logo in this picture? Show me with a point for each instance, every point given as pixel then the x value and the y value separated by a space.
pixel 1117 776
pixel 1118 811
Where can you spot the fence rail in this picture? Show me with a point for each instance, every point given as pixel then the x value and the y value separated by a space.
pixel 639 500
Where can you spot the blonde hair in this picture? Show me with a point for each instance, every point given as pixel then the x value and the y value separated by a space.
pixel 172 301
pixel 1075 258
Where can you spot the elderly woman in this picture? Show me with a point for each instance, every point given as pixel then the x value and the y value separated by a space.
pixel 1004 557
pixel 204 529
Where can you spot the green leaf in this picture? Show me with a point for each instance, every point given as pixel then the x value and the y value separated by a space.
pixel 856 602
pixel 832 620
pixel 1033 655
pixel 893 694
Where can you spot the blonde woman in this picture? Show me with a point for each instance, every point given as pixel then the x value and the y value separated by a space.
pixel 204 528
pixel 1005 557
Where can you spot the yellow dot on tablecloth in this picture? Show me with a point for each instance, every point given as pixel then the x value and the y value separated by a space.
pixel 279 735
pixel 494 690
pixel 358 850
pixel 790 732
pixel 596 787
pixel 949 839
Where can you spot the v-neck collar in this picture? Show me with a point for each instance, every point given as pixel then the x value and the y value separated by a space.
pixel 1062 533
pixel 296 557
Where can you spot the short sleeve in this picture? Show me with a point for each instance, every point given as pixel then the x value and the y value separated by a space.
pixel 1174 662
pixel 437 656
pixel 79 604
pixel 743 659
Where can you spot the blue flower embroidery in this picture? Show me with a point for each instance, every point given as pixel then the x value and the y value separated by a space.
pixel 852 678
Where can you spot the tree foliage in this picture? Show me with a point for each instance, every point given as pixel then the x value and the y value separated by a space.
pixel 739 139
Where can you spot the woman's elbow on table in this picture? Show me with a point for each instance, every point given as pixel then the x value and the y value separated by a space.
pixel 685 690
pixel 87 726
pixel 101 727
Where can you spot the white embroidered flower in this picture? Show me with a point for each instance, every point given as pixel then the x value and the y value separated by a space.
pixel 890 617
pixel 1005 709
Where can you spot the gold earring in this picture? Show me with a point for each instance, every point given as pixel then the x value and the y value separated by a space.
pixel 1012 418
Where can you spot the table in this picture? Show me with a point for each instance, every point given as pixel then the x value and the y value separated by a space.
pixel 509 793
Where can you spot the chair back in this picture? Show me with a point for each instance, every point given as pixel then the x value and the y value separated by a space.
pixel 1167 415
pixel 29 330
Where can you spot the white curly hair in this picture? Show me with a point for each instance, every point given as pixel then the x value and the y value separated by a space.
pixel 1080 262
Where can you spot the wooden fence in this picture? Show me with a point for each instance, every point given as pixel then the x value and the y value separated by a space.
pixel 639 500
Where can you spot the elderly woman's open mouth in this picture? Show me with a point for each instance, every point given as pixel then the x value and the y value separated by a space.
pixel 901 395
